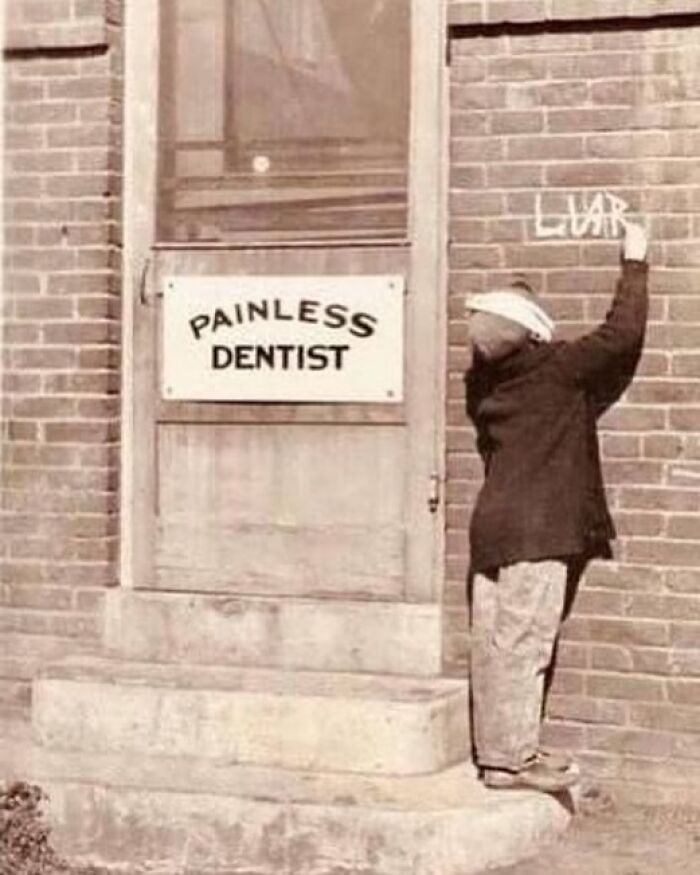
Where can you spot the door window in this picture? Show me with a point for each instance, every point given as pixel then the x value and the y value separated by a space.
pixel 283 119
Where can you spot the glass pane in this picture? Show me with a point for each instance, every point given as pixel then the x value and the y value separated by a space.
pixel 283 119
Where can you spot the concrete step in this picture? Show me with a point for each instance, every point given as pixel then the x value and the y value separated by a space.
pixel 175 816
pixel 320 635
pixel 298 720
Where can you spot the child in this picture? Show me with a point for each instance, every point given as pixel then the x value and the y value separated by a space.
pixel 541 511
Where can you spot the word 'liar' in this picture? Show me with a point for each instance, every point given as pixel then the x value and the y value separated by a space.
pixel 602 216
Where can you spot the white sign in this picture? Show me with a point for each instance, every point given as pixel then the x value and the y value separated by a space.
pixel 283 338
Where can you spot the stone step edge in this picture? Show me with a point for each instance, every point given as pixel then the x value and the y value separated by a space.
pixel 112 825
pixel 450 787
pixel 266 681
pixel 401 638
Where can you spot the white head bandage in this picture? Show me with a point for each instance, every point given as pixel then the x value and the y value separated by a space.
pixel 517 308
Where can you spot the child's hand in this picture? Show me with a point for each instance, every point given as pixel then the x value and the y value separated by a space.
pixel 635 243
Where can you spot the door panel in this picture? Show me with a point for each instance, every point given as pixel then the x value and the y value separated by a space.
pixel 271 499
pixel 303 510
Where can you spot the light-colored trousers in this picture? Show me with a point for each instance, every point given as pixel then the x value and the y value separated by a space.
pixel 515 619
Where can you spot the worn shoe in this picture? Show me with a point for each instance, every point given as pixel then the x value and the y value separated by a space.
pixel 534 776
pixel 558 761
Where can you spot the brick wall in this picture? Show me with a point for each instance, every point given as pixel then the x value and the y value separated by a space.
pixel 560 111
pixel 60 331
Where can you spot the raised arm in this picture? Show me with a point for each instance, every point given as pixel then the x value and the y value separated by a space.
pixel 617 342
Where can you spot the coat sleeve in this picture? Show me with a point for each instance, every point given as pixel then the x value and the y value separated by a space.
pixel 592 358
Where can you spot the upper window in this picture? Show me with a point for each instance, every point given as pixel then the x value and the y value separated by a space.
pixel 283 119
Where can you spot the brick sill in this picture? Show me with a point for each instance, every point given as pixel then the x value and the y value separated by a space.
pixel 481 12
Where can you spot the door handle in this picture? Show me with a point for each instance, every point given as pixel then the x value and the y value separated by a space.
pixel 144 276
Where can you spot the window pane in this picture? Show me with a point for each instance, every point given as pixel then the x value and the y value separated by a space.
pixel 283 119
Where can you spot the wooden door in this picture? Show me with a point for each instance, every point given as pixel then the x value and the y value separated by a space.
pixel 274 499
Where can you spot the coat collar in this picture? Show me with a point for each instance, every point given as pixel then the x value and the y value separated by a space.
pixel 516 363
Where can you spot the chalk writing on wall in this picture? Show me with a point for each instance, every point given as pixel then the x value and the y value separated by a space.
pixel 599 215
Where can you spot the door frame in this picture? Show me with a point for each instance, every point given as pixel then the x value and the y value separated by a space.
pixel 426 302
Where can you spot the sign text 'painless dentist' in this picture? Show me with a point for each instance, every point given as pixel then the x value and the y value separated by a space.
pixel 265 338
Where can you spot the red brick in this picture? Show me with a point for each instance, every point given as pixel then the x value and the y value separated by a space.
pixel 40 455
pixel 637 418
pixel 646 633
pixel 544 148
pixel 81 87
pixel 654 498
pixel 625 686
pixel 590 66
pixel 639 524
pixel 618 92
pixel 621 446
pixel 477 204
pixel 85 382
pixel 684 692
pixel 77 333
pixel 541 255
pixel 463 466
pixel 611 658
pixel 506 230
pixel 465 12
pixel 564 121
pixel 478 97
pixel 467 176
pixel 21 384
pixel 684 527
pixel 647 660
pixel 515 10
pixel 44 113
pixel 41 161
pixel 471 257
pixel 79 135
pixel 630 741
pixel 468 230
pixel 684 309
pixel 42 408
pixel 78 185
pixel 663 552
pixel 587 174
pixel 511 69
pixel 665 717
pixel 664 392
pixel 476 149
pixel 98 408
pixel 43 597
pixel 568 682
pixel 89 600
pixel 529 121
pixel 597 602
pixel 662 446
pixel 79 432
pixel 42 308
pixel 548 94
pixel 675 607
pixel 685 418
pixel 514 175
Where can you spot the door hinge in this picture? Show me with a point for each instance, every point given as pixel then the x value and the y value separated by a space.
pixel 435 493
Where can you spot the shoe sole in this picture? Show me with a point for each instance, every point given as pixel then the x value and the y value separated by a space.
pixel 563 781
